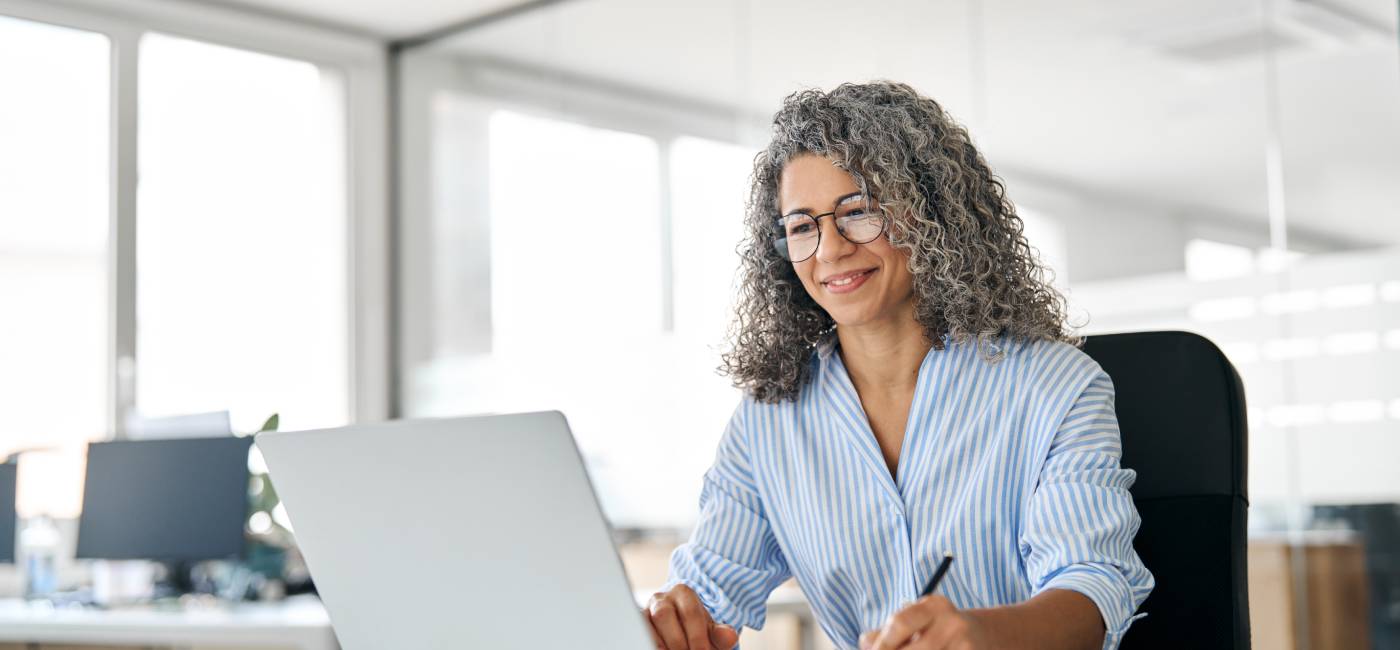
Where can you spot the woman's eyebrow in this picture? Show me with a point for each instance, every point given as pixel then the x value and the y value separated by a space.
pixel 840 200
pixel 848 198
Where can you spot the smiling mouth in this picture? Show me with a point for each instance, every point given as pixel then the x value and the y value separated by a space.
pixel 847 282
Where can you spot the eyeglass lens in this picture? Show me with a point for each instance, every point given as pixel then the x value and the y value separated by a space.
pixel 799 234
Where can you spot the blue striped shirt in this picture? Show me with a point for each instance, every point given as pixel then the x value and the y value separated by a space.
pixel 1011 465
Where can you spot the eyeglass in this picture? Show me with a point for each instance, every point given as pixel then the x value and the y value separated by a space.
pixel 797 234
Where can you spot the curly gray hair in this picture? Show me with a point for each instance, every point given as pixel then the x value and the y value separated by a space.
pixel 974 273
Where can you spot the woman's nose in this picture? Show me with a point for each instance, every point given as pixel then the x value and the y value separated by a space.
pixel 833 245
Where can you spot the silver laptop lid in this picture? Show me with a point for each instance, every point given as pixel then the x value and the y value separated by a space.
pixel 479 532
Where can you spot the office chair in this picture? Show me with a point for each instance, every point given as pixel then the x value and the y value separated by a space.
pixel 1181 411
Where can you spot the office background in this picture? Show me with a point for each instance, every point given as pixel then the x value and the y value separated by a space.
pixel 345 212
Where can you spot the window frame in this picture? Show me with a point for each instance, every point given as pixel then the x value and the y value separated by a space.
pixel 362 62
pixel 425 72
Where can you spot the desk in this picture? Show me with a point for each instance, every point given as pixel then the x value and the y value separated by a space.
pixel 297 624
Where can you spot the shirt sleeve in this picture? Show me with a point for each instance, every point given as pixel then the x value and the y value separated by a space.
pixel 732 560
pixel 1081 522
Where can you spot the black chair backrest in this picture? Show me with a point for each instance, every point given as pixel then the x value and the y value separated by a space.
pixel 1181 411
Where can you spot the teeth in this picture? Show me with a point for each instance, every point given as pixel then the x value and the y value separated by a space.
pixel 845 281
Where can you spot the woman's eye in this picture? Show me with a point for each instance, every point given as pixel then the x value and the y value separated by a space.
pixel 800 229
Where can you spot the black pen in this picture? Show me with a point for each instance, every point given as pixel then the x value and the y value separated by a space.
pixel 938 574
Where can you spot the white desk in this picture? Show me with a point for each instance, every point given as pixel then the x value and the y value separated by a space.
pixel 297 624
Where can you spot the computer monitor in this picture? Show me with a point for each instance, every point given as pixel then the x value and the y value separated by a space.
pixel 7 512
pixel 175 501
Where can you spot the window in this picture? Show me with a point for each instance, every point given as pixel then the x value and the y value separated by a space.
pixel 709 189
pixel 575 237
pixel 94 211
pixel 575 292
pixel 709 182
pixel 54 197
pixel 577 283
pixel 242 268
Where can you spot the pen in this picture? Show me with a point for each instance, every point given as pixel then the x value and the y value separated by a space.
pixel 938 574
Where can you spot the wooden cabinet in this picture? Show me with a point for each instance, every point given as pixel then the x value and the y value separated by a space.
pixel 1322 597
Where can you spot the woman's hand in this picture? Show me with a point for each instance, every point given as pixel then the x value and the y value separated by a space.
pixel 679 621
pixel 930 623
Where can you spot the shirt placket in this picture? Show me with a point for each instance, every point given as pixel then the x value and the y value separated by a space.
pixel 904 545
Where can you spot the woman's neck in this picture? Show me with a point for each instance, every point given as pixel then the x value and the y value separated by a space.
pixel 884 355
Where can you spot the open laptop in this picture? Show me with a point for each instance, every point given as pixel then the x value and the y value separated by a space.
pixel 478 532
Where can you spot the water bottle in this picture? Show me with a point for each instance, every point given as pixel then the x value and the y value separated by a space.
pixel 39 542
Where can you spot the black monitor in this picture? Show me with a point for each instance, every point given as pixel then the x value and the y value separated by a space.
pixel 175 501
pixel 7 512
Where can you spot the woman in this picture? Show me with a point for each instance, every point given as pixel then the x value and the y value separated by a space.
pixel 911 390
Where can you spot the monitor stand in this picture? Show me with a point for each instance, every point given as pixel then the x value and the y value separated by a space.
pixel 177 581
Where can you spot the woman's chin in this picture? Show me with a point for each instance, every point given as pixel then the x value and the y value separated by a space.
pixel 848 317
pixel 864 314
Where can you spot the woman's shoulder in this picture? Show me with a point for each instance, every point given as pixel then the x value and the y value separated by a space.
pixel 1039 350
pixel 1057 366
pixel 1056 350
pixel 1048 366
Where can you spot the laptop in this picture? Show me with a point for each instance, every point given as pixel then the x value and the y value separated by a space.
pixel 476 532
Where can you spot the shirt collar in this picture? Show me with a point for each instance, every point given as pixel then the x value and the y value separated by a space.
pixel 826 344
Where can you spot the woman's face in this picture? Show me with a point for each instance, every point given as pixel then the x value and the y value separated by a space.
pixel 857 284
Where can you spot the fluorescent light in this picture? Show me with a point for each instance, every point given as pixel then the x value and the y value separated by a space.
pixel 1222 309
pixel 1351 343
pixel 1390 291
pixel 1213 260
pixel 1395 409
pixel 1273 259
pixel 1282 349
pixel 1392 339
pixel 1289 302
pixel 1356 411
pixel 1296 415
pixel 1352 295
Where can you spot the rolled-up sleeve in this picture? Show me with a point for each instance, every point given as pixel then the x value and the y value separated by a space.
pixel 732 561
pixel 1079 529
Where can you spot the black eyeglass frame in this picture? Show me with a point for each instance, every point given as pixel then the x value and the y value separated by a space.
pixel 780 230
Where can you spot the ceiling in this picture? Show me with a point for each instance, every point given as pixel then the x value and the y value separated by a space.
pixel 1154 100
pixel 1159 101
pixel 387 19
